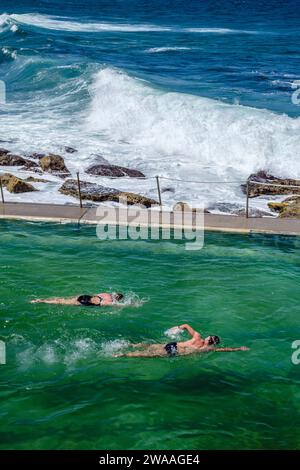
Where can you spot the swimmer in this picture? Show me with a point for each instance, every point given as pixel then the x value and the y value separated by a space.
pixel 196 344
pixel 98 300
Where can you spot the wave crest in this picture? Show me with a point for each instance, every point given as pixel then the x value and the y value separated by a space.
pixel 154 50
pixel 192 130
pixel 58 23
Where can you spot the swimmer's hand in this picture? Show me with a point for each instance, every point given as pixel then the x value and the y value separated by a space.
pixel 244 348
pixel 36 301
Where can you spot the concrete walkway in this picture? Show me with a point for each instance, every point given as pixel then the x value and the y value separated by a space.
pixel 165 219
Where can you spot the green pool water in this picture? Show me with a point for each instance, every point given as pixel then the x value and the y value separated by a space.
pixel 61 387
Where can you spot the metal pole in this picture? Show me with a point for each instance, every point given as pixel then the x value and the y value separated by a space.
pixel 1 188
pixel 158 190
pixel 79 190
pixel 247 199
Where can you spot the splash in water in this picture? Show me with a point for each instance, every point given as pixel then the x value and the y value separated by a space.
pixel 174 332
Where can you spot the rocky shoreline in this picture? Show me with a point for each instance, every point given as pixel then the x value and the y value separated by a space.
pixel 260 184
pixel 265 184
pixel 56 166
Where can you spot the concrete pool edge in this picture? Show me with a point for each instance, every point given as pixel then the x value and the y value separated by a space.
pixel 61 213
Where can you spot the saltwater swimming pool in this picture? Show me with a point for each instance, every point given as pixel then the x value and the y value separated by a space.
pixel 62 389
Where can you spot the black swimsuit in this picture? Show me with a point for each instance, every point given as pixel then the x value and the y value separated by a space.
pixel 81 299
pixel 171 349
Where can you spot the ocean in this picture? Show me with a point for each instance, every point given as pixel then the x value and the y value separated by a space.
pixel 195 91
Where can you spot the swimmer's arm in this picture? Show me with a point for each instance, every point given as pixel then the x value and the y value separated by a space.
pixel 191 330
pixel 242 348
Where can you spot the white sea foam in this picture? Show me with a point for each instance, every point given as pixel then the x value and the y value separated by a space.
pixel 219 31
pixel 8 52
pixel 4 18
pixel 176 135
pixel 133 300
pixel 154 50
pixel 109 348
pixel 67 24
pixel 194 131
pixel 174 332
pixel 64 350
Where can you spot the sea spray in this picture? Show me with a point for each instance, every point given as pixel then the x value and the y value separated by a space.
pixel 234 140
pixel 110 348
pixel 133 300
pixel 174 332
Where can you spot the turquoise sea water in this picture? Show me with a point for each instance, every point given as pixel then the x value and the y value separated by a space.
pixel 62 388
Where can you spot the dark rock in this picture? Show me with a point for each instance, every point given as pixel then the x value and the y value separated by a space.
pixel 54 164
pixel 96 193
pixel 8 159
pixel 256 190
pixel 32 179
pixel 113 171
pixel 8 141
pixel 289 208
pixel 3 151
pixel 236 209
pixel 16 185
pixel 31 166
pixel 168 189
pixel 135 199
pixel 88 190
pixel 70 150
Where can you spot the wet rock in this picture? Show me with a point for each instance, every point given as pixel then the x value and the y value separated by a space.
pixel 9 159
pixel 289 208
pixel 54 164
pixel 237 209
pixel 256 190
pixel 167 189
pixel 5 177
pixel 88 190
pixel 70 150
pixel 113 171
pixel 16 185
pixel 97 193
pixel 36 156
pixel 31 166
pixel 3 151
pixel 32 179
pixel 135 199
pixel 8 141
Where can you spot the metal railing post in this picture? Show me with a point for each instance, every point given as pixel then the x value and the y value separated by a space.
pixel 1 188
pixel 79 190
pixel 247 199
pixel 158 190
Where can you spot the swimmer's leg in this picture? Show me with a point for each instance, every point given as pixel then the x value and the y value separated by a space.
pixel 154 350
